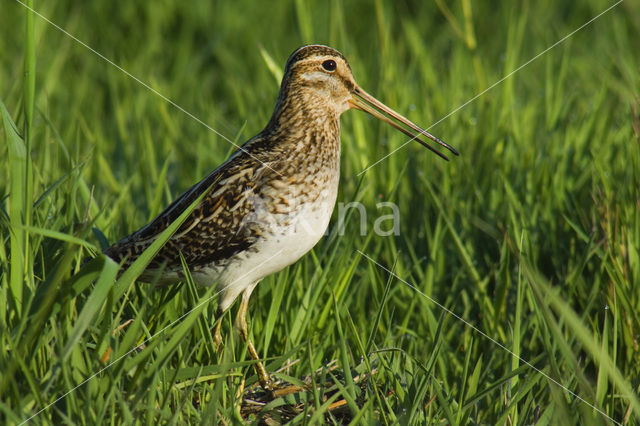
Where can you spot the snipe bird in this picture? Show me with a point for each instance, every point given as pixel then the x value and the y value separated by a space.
pixel 270 202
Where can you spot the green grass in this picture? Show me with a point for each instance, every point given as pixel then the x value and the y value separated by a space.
pixel 532 235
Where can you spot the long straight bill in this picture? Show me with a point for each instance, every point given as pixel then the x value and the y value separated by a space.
pixel 367 103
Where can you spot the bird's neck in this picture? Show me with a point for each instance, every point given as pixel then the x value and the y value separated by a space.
pixel 302 108
pixel 305 118
pixel 306 133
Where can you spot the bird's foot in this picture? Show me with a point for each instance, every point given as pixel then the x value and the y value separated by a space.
pixel 264 378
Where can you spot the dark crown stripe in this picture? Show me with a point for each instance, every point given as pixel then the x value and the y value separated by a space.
pixel 312 50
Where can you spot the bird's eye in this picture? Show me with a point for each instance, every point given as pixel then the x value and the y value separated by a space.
pixel 329 65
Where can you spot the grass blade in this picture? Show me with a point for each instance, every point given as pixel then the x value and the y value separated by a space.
pixel 17 210
pixel 93 304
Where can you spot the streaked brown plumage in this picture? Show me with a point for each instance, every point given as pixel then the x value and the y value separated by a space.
pixel 271 201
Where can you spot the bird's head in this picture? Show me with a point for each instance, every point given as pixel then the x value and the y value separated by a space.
pixel 320 77
pixel 323 73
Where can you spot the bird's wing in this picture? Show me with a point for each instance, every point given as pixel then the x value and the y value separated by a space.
pixel 219 227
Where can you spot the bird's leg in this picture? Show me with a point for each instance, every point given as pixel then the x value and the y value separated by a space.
pixel 241 325
pixel 217 336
